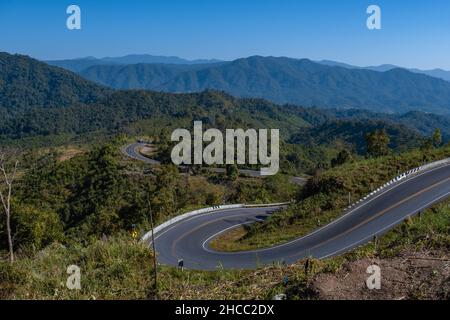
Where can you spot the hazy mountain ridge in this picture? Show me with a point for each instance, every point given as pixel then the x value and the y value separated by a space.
pixel 286 80
pixel 81 64
pixel 136 76
pixel 436 73
pixel 38 99
pixel 303 82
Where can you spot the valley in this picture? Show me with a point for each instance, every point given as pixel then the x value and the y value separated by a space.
pixel 78 197
pixel 285 80
pixel 210 159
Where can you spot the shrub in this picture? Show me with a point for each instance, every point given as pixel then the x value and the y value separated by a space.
pixel 34 227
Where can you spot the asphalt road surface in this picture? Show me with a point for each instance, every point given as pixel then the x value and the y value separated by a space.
pixel 189 239
pixel 132 152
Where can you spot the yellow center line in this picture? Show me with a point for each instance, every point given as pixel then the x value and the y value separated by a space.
pixel 381 213
pixel 378 214
pixel 197 228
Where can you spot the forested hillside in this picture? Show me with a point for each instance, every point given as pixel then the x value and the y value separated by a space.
pixel 354 132
pixel 26 83
pixel 136 76
pixel 285 80
pixel 56 102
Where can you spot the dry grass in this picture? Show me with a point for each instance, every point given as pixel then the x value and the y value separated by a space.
pixel 68 152
pixel 148 151
pixel 358 178
pixel 229 241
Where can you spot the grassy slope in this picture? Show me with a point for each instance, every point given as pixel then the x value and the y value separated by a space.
pixel 119 268
pixel 326 199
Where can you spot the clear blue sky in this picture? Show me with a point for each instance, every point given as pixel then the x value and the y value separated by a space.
pixel 416 33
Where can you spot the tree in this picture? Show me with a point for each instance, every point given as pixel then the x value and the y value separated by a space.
pixel 6 193
pixel 232 172
pixel 35 227
pixel 377 143
pixel 437 138
pixel 342 157
pixel 165 197
pixel 95 197
pixel 427 144
pixel 164 147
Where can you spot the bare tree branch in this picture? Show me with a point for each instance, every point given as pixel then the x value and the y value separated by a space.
pixel 8 180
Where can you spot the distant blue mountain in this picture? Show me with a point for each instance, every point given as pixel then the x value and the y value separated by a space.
pixel 281 80
pixel 38 99
pixel 437 73
pixel 146 58
pixel 304 82
pixel 80 64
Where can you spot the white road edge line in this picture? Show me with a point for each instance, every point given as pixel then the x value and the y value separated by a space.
pixel 157 235
pixel 384 229
pixel 223 231
pixel 337 219
pixel 350 212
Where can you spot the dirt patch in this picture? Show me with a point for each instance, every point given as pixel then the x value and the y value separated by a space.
pixel 148 150
pixel 408 276
pixel 69 152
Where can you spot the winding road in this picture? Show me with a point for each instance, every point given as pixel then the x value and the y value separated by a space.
pixel 131 151
pixel 190 238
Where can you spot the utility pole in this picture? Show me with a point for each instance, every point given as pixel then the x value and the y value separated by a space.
pixel 155 272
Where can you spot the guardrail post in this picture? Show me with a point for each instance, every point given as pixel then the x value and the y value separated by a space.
pixel 155 272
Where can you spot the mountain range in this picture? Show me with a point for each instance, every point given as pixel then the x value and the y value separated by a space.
pixel 78 65
pixel 39 99
pixel 437 73
pixel 286 80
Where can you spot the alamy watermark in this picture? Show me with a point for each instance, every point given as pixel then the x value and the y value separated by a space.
pixel 74 280
pixel 374 20
pixel 73 22
pixel 373 282
pixel 238 147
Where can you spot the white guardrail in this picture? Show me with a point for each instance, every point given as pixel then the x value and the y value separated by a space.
pixel 148 235
pixel 401 177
